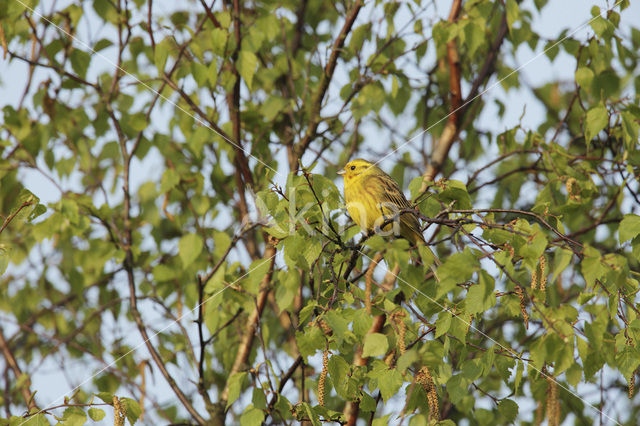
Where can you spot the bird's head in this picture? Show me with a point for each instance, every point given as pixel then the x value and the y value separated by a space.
pixel 358 169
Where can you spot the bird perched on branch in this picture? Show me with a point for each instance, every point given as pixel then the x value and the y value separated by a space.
pixel 376 203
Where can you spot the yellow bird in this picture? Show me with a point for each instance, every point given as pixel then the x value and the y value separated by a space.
pixel 373 198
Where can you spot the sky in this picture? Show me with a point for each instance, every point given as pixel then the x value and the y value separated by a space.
pixel 533 68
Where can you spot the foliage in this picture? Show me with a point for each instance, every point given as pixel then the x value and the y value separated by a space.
pixel 197 239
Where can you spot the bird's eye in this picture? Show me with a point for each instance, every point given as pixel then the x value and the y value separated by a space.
pixel 353 167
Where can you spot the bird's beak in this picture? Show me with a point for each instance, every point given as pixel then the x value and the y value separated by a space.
pixel 341 171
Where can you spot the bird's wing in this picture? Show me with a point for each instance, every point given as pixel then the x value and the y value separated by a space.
pixel 392 194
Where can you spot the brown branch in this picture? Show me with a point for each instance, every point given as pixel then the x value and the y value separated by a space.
pixel 369 280
pixel 327 75
pixel 457 108
pixel 283 381
pixel 149 27
pixel 10 218
pixel 13 364
pixel 210 14
pixel 489 64
pixel 3 42
pixel 152 350
pixel 55 68
pixel 352 408
pixel 197 109
pixel 520 212
pixel 244 348
pixel 167 75
pixel 450 132
pixel 243 175
pixel 129 268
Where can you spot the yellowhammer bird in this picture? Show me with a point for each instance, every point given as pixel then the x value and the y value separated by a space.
pixel 373 197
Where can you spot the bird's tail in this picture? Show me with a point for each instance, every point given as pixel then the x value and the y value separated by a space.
pixel 435 262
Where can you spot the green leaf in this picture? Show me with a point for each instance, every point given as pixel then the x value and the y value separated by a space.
pixel 74 416
pixel 628 360
pixel 389 383
pixel 480 296
pixel 257 271
pixel 561 260
pixel 219 41
pixel 236 383
pixel 36 420
pixel 513 12
pixel 455 191
pixel 631 129
pixel 596 119
pixel 629 227
pixel 458 268
pixel 259 398
pixel 161 54
pixel 457 387
pixel 367 403
pixel 252 416
pixel 272 107
pixel 96 414
pixel 105 397
pixel 80 62
pixel 338 324
pixel 200 73
pixel 310 341
pixel 133 409
pixel 585 297
pixel 443 323
pixel 338 370
pixel 361 322
pixel 246 66
pixel 574 374
pixel 37 211
pixel 4 258
pixel 170 178
pixel 591 265
pixel 584 77
pixel 518 378
pixel 508 409
pixel 101 44
pixel 189 248
pixel 375 344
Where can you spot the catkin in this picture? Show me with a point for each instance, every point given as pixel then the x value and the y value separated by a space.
pixel 539 275
pixel 571 185
pixel 525 315
pixel 539 415
pixel 325 327
pixel 632 379
pixel 119 412
pixel 426 381
pixel 323 376
pixel 553 404
pixel 143 386
pixel 543 273
pixel 398 318
pixel 368 282
pixel 508 247
pixel 469 322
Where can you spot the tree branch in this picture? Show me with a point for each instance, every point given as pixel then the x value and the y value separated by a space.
pixel 458 108
pixel 327 75
pixel 244 348
pixel 25 388
pixel 352 408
